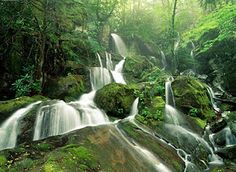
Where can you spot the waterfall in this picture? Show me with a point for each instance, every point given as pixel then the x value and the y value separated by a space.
pixel 60 117
pixel 212 97
pixel 117 73
pixel 169 93
pixel 9 130
pixel 99 77
pixel 119 44
pixel 174 122
pixel 163 60
pixel 143 152
pixel 109 64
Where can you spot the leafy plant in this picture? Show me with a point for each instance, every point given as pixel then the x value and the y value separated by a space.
pixel 193 112
pixel 26 84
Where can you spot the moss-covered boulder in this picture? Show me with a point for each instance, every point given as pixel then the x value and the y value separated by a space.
pixel 116 99
pixel 191 97
pixel 10 106
pixel 67 88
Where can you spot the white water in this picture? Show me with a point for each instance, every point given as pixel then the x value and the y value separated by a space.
pixel 212 97
pixel 230 139
pixel 117 73
pixel 169 94
pixel 119 44
pixel 9 130
pixel 61 117
pixel 143 152
pixel 163 60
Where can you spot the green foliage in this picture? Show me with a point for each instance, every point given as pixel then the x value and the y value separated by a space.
pixel 217 26
pixel 26 85
pixel 193 112
pixel 3 160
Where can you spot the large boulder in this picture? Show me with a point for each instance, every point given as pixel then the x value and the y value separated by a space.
pixel 98 148
pixel 191 97
pixel 67 88
pixel 116 99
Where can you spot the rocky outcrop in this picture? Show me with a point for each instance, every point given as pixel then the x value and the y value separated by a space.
pixel 67 88
pixel 191 97
pixel 116 99
pixel 10 106
pixel 100 148
pixel 215 51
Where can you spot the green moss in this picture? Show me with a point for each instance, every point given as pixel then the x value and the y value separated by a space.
pixel 8 107
pixel 43 147
pixel 201 123
pixel 191 97
pixel 67 88
pixel 3 160
pixel 116 99
pixel 70 158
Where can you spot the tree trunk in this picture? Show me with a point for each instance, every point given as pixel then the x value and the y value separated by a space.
pixel 173 35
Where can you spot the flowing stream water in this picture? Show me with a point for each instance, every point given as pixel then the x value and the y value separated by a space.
pixel 57 117
pixel 9 130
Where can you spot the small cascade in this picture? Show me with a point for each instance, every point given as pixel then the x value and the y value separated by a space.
pixel 225 136
pixel 55 119
pixel 119 44
pixel 61 117
pixel 117 73
pixel 163 60
pixel 193 49
pixel 109 64
pixel 9 130
pixel 99 77
pixel 229 137
pixel 174 125
pixel 143 152
pixel 212 97
pixel 169 93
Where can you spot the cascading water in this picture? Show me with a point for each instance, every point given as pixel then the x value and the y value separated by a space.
pixel 184 136
pixel 9 130
pixel 163 60
pixel 61 117
pixel 119 44
pixel 212 97
pixel 143 152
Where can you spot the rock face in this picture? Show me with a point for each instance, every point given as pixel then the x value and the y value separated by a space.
pixel 100 148
pixel 67 88
pixel 10 106
pixel 215 43
pixel 192 98
pixel 116 99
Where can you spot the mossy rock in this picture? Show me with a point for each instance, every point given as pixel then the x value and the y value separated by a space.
pixel 191 97
pixel 116 99
pixel 153 112
pixel 70 158
pixel 10 106
pixel 232 122
pixel 66 88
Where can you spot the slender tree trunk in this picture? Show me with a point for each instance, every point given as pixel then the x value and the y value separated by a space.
pixel 173 35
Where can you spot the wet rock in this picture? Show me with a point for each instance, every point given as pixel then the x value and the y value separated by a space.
pixel 228 152
pixel 218 125
pixel 100 148
pixel 66 88
pixel 191 97
pixel 116 99
pixel 10 106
